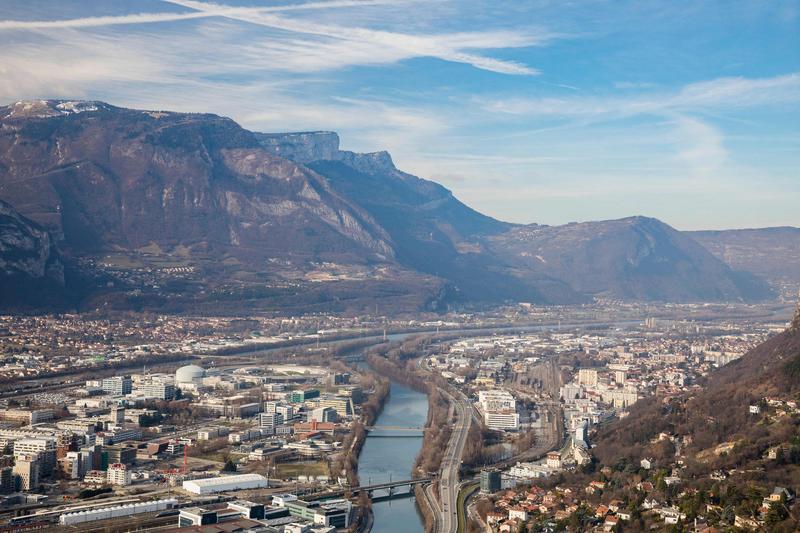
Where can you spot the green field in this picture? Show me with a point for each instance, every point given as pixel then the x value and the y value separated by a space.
pixel 293 470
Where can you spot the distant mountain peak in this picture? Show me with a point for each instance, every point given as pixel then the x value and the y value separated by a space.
pixel 52 108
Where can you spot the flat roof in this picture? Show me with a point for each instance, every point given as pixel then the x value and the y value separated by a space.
pixel 224 480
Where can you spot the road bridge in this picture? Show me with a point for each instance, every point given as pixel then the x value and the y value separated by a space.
pixel 376 490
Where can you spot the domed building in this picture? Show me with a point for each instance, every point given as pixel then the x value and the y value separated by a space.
pixel 189 374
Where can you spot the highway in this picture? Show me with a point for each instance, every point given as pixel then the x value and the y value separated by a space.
pixel 451 463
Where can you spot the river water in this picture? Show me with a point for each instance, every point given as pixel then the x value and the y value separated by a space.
pixel 385 458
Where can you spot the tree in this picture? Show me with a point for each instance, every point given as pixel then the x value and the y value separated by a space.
pixel 230 466
pixel 777 513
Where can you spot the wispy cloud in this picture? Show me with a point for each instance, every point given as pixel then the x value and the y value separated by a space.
pixel 701 148
pixel 727 92
pixel 389 46
pixel 325 46
pixel 209 11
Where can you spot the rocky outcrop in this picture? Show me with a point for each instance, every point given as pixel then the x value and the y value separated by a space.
pixel 26 251
pixel 634 259
pixel 431 231
pixel 302 147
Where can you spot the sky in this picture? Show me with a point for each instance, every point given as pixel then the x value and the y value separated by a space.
pixel 529 111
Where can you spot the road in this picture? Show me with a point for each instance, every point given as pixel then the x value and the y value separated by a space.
pixel 463 414
pixel 451 463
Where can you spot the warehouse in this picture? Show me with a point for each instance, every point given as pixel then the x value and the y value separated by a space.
pixel 225 483
pixel 116 511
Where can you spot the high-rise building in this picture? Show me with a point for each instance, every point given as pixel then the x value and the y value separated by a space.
pixel 286 411
pixel 117 416
pixel 117 385
pixel 44 448
pixel 26 468
pixel 300 396
pixel 6 480
pixel 501 420
pixel 34 445
pixel 323 414
pixel 270 420
pixel 496 400
pixel 159 389
pixel 118 474
pixel 490 480
pixel 70 466
pixel 342 405
pixel 121 454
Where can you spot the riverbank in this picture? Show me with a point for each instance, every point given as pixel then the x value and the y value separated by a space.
pixel 370 411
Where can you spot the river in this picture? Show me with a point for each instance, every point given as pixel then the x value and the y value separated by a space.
pixel 383 458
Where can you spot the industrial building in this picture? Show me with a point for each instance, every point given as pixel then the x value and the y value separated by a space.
pixel 225 483
pixel 189 374
pixel 106 513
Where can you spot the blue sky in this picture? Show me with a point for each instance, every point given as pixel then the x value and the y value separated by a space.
pixel 532 111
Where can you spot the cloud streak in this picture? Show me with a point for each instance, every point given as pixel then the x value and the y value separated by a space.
pixel 326 46
pixel 448 47
pixel 732 92
pixel 150 18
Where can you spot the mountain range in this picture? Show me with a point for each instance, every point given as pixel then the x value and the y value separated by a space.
pixel 172 211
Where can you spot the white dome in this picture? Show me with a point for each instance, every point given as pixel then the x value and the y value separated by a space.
pixel 189 373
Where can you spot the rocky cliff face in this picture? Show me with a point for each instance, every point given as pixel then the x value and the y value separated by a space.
pixel 302 147
pixel 26 250
pixel 102 178
pixel 31 272
pixel 431 230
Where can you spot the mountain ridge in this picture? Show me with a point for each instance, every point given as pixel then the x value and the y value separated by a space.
pixel 261 210
pixel 771 253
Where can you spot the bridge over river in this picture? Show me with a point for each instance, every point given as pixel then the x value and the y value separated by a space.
pixel 376 490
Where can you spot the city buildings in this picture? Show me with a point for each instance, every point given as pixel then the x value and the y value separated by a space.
pixel 117 385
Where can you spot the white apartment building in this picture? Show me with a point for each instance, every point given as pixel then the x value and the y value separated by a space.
pixel 118 474
pixel 496 400
pixel 501 420
pixel 33 446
